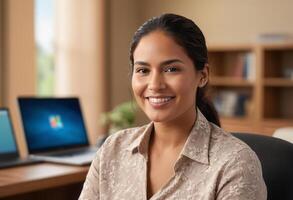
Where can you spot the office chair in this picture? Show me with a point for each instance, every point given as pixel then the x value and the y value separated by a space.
pixel 276 157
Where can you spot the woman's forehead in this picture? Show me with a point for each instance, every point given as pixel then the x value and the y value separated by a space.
pixel 158 45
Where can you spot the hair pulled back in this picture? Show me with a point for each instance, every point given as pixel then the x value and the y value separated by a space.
pixel 189 36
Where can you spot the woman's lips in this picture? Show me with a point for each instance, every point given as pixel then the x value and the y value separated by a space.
pixel 158 102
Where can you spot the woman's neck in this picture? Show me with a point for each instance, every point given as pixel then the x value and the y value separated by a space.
pixel 173 133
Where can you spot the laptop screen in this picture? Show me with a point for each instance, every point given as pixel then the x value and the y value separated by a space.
pixel 52 123
pixel 7 141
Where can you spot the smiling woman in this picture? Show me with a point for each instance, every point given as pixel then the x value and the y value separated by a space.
pixel 182 153
pixel 164 79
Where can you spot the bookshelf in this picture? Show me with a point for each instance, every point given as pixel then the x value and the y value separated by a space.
pixel 252 86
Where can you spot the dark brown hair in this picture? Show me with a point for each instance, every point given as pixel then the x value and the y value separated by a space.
pixel 189 36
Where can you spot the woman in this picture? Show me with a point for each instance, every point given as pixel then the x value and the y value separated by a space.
pixel 182 153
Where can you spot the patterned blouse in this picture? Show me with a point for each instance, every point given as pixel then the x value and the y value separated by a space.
pixel 213 165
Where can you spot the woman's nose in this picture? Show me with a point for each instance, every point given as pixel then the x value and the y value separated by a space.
pixel 156 82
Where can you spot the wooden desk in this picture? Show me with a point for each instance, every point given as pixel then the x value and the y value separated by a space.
pixel 265 127
pixel 42 181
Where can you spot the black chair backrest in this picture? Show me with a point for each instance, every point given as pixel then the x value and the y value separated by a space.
pixel 276 157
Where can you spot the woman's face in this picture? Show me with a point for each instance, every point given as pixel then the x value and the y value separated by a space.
pixel 164 79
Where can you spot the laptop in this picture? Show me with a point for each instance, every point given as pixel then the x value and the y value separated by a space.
pixel 9 156
pixel 55 130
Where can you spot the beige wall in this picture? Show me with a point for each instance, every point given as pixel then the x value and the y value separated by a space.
pixel 19 58
pixel 229 21
pixel 124 18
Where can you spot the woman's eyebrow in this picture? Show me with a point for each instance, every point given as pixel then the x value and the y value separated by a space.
pixel 141 63
pixel 166 62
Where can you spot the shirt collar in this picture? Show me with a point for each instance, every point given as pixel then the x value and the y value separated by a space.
pixel 196 146
pixel 142 142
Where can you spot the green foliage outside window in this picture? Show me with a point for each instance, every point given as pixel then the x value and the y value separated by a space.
pixel 45 65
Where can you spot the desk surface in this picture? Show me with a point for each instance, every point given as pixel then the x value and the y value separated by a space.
pixel 36 177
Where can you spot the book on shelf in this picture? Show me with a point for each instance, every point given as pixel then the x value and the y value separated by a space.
pixel 237 67
pixel 288 73
pixel 249 66
pixel 242 66
pixel 230 103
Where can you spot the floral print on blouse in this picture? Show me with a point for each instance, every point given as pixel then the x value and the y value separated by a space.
pixel 213 165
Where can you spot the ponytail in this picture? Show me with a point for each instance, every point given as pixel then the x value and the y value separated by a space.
pixel 206 106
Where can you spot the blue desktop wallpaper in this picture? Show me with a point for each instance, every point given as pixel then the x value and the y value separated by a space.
pixel 52 123
pixel 7 143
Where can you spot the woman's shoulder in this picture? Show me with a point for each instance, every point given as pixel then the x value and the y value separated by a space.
pixel 238 167
pixel 226 146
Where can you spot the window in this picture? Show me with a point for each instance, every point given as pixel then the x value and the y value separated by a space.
pixel 44 38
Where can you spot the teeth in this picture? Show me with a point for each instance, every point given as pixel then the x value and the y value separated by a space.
pixel 159 100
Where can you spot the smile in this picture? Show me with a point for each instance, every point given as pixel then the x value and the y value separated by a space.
pixel 159 101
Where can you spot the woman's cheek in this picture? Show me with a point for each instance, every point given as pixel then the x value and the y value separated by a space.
pixel 137 86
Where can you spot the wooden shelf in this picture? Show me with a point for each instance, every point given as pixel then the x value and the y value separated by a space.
pixel 278 82
pixel 236 119
pixel 278 46
pixel 231 82
pixel 265 99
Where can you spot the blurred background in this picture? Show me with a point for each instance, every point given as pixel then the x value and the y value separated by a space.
pixel 80 48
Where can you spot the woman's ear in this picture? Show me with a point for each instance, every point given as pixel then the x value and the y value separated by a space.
pixel 204 73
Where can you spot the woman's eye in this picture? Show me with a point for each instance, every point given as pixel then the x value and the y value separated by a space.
pixel 171 69
pixel 142 70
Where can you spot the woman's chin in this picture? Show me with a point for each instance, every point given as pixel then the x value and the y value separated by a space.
pixel 159 119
